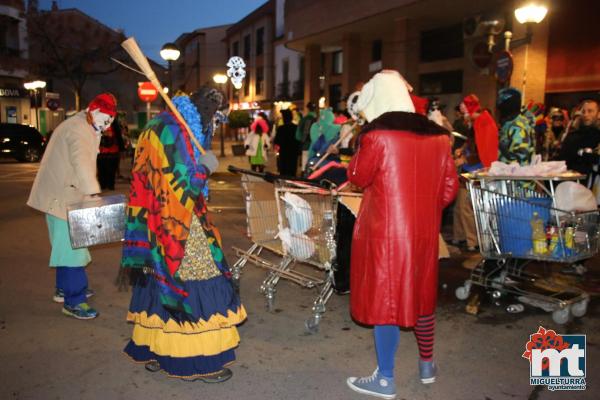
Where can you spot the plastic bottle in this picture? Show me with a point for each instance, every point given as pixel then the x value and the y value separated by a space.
pixel 538 235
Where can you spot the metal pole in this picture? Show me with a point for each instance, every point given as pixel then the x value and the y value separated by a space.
pixel 221 130
pixel 170 77
pixel 35 106
pixel 147 111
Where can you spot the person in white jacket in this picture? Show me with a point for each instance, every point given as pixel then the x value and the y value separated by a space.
pixel 67 175
pixel 257 144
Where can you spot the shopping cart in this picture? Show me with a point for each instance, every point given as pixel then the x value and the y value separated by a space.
pixel 504 208
pixel 296 221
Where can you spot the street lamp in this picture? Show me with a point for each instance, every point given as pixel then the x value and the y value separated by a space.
pixel 170 52
pixel 531 13
pixel 528 14
pixel 33 87
pixel 221 79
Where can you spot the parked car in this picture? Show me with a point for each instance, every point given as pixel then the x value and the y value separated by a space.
pixel 22 142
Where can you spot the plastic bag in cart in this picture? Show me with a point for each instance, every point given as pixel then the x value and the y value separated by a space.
pixel 298 213
pixel 573 196
pixel 299 246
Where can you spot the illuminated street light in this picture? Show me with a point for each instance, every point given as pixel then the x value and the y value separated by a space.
pixel 220 79
pixel 33 88
pixel 531 13
pixel 170 52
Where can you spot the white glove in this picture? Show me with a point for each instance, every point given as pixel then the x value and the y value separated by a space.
pixel 209 160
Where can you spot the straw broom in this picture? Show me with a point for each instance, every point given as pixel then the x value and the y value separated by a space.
pixel 132 48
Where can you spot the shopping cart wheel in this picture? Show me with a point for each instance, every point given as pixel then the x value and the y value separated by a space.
pixel 312 324
pixel 579 309
pixel 270 304
pixel 561 316
pixel 462 292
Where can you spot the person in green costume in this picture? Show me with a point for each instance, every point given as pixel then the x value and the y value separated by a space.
pixel 323 134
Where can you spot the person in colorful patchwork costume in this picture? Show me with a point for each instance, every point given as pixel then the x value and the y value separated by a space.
pixel 184 308
pixel 517 134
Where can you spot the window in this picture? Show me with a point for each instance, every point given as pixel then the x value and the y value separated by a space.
pixel 260 81
pixel 247 40
pixel 260 35
pixel 376 50
pixel 235 50
pixel 335 96
pixel 337 63
pixel 441 83
pixel 442 44
pixel 285 70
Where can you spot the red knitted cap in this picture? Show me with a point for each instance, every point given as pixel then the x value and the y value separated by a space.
pixel 472 104
pixel 420 104
pixel 104 102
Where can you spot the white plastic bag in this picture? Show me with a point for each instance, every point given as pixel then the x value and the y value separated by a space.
pixel 298 213
pixel 299 246
pixel 573 196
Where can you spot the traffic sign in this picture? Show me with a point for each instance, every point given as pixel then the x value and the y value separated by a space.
pixel 504 66
pixel 147 92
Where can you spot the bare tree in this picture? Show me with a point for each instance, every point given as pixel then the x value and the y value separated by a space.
pixel 71 46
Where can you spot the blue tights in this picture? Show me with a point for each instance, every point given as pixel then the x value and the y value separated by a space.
pixel 387 338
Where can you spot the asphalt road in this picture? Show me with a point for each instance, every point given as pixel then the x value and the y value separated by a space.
pixel 45 355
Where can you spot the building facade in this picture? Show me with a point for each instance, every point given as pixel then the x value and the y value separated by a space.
pixel 440 47
pixel 203 54
pixel 76 73
pixel 289 64
pixel 252 39
pixel 14 63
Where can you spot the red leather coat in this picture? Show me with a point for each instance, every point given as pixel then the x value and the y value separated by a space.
pixel 407 172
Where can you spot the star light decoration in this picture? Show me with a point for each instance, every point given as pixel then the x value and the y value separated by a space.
pixel 236 71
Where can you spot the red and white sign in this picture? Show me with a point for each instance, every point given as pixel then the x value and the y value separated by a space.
pixel 147 92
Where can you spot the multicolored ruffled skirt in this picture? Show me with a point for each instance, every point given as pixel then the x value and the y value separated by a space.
pixel 192 348
pixel 183 348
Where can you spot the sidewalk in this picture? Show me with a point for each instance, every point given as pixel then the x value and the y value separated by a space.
pixel 238 161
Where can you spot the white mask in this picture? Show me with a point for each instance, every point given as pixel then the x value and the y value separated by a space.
pixel 100 120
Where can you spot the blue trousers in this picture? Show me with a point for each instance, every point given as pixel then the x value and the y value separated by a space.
pixel 73 282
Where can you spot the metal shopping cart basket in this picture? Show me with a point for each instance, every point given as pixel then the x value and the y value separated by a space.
pixel 504 208
pixel 296 221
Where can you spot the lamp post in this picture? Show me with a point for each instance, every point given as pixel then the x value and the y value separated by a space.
pixel 170 52
pixel 33 87
pixel 528 14
pixel 221 79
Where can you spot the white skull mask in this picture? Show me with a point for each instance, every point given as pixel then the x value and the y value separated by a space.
pixel 100 120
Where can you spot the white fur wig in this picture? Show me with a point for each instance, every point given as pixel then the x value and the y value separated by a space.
pixel 386 91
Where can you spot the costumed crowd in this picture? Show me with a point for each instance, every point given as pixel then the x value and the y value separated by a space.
pixel 405 159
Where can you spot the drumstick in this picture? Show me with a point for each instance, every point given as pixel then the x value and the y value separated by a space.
pixel 336 144
pixel 132 48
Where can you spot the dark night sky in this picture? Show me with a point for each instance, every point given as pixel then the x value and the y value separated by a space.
pixel 156 22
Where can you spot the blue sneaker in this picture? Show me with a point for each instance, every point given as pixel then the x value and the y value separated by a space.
pixel 375 385
pixel 59 295
pixel 80 311
pixel 427 370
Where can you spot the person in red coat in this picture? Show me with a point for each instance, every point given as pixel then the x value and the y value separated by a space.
pixel 484 127
pixel 405 168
